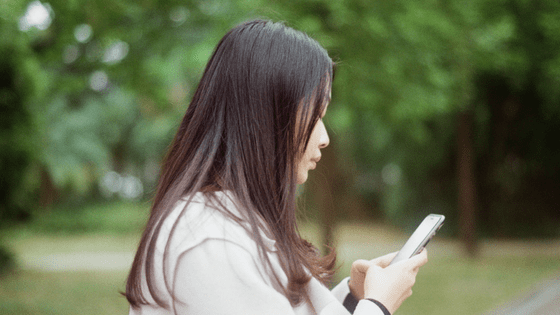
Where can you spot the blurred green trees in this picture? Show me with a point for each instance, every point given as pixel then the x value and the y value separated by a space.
pixel 410 70
pixel 16 150
pixel 92 92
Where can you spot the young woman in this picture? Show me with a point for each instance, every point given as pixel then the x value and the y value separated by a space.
pixel 222 235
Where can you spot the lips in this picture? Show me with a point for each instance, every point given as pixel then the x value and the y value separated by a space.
pixel 316 160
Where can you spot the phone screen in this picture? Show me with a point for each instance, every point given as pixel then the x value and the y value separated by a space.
pixel 420 238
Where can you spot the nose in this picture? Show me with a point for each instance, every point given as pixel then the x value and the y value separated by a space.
pixel 324 139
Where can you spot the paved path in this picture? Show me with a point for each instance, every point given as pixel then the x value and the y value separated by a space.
pixel 543 299
pixel 78 261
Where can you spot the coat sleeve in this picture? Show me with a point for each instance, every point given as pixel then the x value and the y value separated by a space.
pixel 342 293
pixel 341 290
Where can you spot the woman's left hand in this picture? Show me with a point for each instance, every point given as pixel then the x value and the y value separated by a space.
pixel 359 270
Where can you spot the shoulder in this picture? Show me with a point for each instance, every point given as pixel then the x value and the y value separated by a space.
pixel 200 218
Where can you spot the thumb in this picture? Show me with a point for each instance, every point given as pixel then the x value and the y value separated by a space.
pixel 419 260
pixel 361 266
pixel 384 261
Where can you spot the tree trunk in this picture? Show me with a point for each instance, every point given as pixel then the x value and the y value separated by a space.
pixel 466 180
pixel 329 189
pixel 47 190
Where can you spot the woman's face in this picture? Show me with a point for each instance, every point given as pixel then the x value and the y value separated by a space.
pixel 319 139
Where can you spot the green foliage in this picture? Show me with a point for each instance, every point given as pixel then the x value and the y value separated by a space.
pixel 121 217
pixel 7 262
pixel 16 147
pixel 408 68
pixel 107 82
pixel 112 81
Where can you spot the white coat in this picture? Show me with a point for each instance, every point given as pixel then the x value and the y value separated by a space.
pixel 213 267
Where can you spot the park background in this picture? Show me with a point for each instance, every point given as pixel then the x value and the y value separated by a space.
pixel 448 107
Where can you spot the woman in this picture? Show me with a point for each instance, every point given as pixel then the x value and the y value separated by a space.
pixel 222 235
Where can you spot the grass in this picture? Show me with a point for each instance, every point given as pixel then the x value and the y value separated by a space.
pixel 102 227
pixel 449 284
pixel 473 287
pixel 444 286
pixel 27 292
pixel 452 283
pixel 120 217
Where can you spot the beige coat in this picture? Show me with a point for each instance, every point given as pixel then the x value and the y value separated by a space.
pixel 214 268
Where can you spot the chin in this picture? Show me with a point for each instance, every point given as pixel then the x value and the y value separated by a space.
pixel 301 178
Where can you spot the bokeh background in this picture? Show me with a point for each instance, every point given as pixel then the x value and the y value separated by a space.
pixel 448 107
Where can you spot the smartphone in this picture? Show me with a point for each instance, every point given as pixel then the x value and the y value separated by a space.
pixel 420 238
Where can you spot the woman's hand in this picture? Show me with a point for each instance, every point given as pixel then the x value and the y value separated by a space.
pixel 359 271
pixel 390 285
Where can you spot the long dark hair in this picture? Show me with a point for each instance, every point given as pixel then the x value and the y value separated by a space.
pixel 249 121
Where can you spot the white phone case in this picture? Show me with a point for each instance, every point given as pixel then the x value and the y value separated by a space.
pixel 420 238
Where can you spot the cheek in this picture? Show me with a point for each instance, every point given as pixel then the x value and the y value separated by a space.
pixel 309 149
pixel 302 166
pixel 314 140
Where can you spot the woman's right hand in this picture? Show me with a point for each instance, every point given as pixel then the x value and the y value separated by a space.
pixel 391 285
